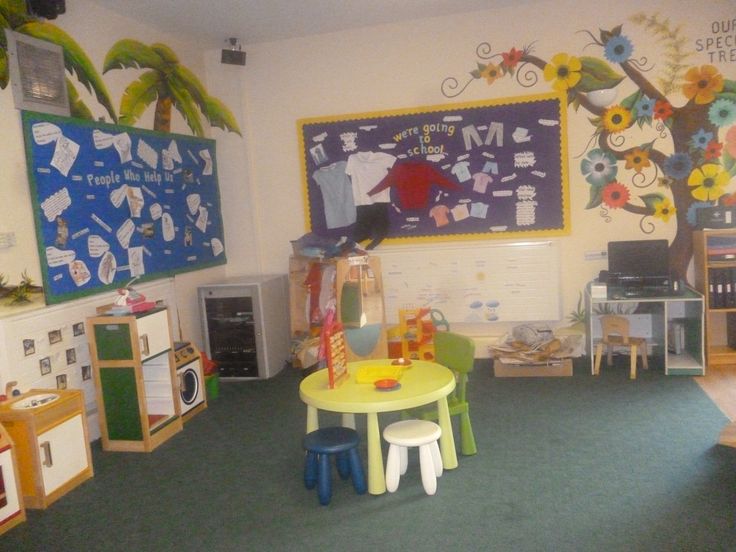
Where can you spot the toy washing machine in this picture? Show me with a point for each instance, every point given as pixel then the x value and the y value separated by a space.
pixel 192 394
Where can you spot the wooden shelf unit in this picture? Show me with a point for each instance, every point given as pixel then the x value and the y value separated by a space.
pixel 135 380
pixel 720 319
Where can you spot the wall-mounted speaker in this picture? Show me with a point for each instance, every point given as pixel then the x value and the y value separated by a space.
pixel 48 9
pixel 233 57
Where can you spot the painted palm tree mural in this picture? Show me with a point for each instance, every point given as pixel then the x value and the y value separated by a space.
pixel 168 83
pixel 14 16
pixel 628 166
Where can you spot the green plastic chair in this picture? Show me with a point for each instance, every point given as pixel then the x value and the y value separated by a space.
pixel 457 352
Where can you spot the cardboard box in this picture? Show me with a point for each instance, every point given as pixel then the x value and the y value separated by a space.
pixel 504 370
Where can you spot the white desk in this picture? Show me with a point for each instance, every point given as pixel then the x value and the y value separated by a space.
pixel 663 313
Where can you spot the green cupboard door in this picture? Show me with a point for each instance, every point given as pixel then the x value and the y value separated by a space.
pixel 113 341
pixel 120 396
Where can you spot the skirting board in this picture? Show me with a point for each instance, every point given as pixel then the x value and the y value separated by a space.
pixel 503 370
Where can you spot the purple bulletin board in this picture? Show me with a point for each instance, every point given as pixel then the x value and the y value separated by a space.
pixel 491 169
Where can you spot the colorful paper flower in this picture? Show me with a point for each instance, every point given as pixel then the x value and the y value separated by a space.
pixel 637 159
pixel 616 118
pixel 615 195
pixel 599 167
pixel 701 138
pixel 511 58
pixel 703 83
pixel 731 141
pixel 491 73
pixel 662 110
pixel 664 209
pixel 564 71
pixel 618 49
pixel 713 150
pixel 707 182
pixel 644 107
pixel 677 166
pixel 722 112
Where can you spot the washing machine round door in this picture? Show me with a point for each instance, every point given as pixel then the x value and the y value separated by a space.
pixel 189 386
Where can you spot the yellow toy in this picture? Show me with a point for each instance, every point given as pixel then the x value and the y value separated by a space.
pixel 417 333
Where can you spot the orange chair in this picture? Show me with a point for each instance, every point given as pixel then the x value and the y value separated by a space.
pixel 615 333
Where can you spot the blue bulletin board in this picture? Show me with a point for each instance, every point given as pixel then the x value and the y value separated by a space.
pixel 112 203
pixel 492 169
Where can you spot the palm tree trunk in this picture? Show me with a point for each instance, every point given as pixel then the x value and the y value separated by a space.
pixel 162 118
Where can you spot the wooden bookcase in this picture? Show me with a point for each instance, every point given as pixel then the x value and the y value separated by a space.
pixel 715 278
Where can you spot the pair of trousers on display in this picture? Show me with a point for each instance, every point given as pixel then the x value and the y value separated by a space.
pixel 371 222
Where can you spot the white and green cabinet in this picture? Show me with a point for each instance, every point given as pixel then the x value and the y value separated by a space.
pixel 135 379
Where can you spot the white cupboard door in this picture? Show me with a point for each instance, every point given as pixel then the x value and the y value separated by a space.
pixel 62 452
pixel 153 334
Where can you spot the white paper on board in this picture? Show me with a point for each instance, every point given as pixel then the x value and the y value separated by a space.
pixel 147 154
pixel 125 232
pixel 107 269
pixel 167 227
pixel 45 133
pixel 59 257
pixel 55 204
pixel 193 201
pixel 205 155
pixel 65 154
pixel 135 261
pixel 170 155
pixel 201 222
pixel 118 195
pixel 123 145
pixel 217 247
pixel 155 211
pixel 102 140
pixel 135 201
pixel 97 246
pixel 79 272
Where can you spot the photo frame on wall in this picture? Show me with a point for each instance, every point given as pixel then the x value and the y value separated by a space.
pixel 477 170
pixel 112 203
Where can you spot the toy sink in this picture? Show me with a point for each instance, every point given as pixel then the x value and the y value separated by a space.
pixel 34 401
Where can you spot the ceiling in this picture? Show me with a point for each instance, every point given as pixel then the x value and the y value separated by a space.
pixel 252 21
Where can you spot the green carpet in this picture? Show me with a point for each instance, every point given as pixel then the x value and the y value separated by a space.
pixel 578 463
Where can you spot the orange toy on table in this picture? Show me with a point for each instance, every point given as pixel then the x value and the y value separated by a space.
pixel 417 334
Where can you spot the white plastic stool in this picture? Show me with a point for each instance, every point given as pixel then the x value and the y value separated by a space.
pixel 413 433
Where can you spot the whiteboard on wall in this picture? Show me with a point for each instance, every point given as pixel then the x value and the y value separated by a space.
pixel 475 283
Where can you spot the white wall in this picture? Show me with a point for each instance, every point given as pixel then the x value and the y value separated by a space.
pixel 403 65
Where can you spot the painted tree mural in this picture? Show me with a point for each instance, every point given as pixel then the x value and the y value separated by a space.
pixel 14 16
pixel 168 83
pixel 646 156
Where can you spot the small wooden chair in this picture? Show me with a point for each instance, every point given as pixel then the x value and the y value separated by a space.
pixel 615 332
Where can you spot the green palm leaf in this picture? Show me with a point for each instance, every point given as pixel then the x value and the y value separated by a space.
pixel 220 116
pixel 4 74
pixel 129 53
pixel 77 107
pixel 138 96
pixel 75 59
pixel 185 105
pixel 14 11
pixel 185 79
pixel 167 54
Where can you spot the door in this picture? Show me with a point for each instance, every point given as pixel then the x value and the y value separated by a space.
pixel 63 453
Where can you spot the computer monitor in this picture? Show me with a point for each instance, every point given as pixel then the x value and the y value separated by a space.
pixel 639 264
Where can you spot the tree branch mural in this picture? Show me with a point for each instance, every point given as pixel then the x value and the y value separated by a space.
pixel 627 166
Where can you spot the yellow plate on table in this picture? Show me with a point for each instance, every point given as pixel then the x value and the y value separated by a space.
pixel 373 373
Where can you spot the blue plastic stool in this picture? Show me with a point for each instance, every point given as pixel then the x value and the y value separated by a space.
pixel 320 444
